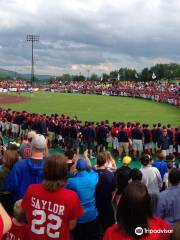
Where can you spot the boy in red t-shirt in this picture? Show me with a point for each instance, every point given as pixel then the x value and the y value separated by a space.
pixel 18 230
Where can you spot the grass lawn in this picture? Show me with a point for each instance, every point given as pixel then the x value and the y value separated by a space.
pixel 97 108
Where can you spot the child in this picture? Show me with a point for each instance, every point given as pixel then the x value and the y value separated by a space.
pixel 19 226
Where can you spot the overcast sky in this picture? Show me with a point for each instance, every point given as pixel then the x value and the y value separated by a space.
pixel 95 35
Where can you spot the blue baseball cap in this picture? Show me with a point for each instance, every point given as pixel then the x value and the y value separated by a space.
pixel 81 165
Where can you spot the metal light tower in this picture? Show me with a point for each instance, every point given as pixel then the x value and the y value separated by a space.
pixel 32 39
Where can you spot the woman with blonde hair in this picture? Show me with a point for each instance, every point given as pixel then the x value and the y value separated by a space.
pixel 110 162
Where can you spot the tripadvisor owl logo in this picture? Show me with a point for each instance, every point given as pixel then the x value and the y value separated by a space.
pixel 139 231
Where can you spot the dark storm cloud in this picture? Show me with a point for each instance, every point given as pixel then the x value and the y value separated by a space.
pixel 77 35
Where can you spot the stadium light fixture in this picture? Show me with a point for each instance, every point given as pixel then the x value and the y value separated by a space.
pixel 32 38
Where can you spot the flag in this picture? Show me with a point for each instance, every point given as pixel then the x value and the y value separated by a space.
pixel 153 76
pixel 136 76
pixel 118 77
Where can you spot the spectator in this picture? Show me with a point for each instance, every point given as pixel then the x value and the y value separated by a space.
pixel 84 183
pixel 104 191
pixel 166 175
pixel 52 203
pixel 19 226
pixel 176 232
pixel 9 159
pixel 136 175
pixel 152 179
pixel 160 164
pixel 25 148
pixel 27 171
pixel 134 211
pixel 5 221
pixel 122 178
pixel 70 155
pixel 151 175
pixel 123 174
pixel 110 162
pixel 169 204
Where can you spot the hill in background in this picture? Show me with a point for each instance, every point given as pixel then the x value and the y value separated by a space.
pixel 12 74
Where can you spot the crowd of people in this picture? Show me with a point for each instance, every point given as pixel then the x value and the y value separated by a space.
pixel 153 90
pixel 65 197
pixel 160 92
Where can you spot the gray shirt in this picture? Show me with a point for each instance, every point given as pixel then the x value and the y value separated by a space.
pixel 169 204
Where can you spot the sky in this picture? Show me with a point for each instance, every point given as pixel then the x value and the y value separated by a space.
pixel 92 36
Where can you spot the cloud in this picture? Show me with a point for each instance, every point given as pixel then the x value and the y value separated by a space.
pixel 78 35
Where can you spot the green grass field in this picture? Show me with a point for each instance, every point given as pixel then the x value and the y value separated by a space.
pixel 96 108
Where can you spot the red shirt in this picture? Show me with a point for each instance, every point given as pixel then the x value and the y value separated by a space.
pixel 114 131
pixel 114 233
pixel 49 213
pixel 1 227
pixel 16 233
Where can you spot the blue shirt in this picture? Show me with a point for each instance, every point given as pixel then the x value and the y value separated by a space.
pixel 169 204
pixel 24 173
pixel 84 184
pixel 161 166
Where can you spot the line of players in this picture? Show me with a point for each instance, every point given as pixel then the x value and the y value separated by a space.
pixel 125 138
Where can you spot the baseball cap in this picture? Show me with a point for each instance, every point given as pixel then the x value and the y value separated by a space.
pixel 31 134
pixel 126 160
pixel 81 164
pixel 39 142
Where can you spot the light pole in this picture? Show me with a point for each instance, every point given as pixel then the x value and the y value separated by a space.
pixel 32 39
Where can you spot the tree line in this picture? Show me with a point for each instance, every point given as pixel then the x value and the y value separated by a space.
pixel 158 72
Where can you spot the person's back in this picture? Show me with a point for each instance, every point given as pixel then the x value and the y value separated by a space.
pixel 57 207
pixel 104 189
pixel 19 227
pixel 134 217
pixel 169 203
pixel 84 184
pixel 123 175
pixel 160 164
pixel 151 175
pixel 27 171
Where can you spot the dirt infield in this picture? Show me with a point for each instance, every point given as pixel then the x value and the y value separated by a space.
pixel 6 99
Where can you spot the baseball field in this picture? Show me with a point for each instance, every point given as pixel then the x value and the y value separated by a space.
pixel 94 107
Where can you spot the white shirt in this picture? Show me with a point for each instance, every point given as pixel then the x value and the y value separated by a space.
pixel 151 178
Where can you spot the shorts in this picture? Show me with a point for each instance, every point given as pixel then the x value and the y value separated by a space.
pixel 124 146
pixel 171 148
pixel 7 125
pixel 148 145
pixel 165 152
pixel 90 144
pixel 115 143
pixel 137 145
